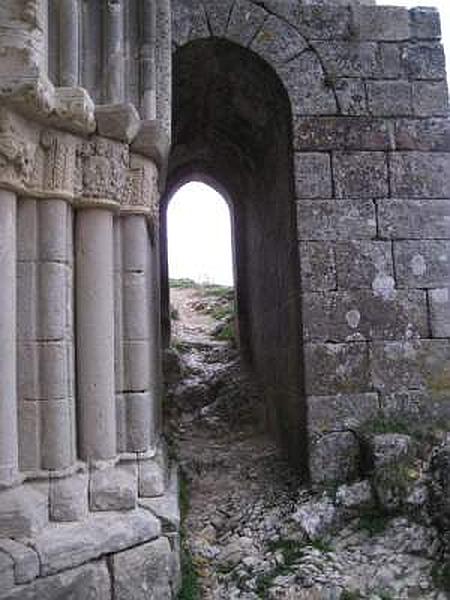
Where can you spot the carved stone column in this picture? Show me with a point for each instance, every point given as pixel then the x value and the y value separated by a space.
pixel 8 398
pixel 69 43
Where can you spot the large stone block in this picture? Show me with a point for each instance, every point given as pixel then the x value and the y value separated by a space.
pixel 340 412
pixel 6 572
pixel 26 562
pixel 360 174
pixel 382 23
pixel 422 264
pixel 336 220
pixel 118 121
pixel 425 23
pixel 218 13
pixel 364 315
pixel 361 264
pixel 112 488
pixel 68 545
pixel 423 134
pixel 420 174
pixel 308 86
pixel 439 300
pixel 414 219
pixel 277 42
pixel 90 582
pixel 318 269
pixel 334 457
pixel 351 96
pixel 23 511
pixel 389 98
pixel 337 368
pixel 343 133
pixel 417 407
pixel 69 498
pixel 313 175
pixel 424 60
pixel 430 98
pixel 331 22
pixel 152 477
pixel 166 507
pixel 420 365
pixel 347 59
pixel 144 573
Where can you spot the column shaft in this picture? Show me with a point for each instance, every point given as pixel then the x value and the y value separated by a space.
pixel 148 58
pixel 8 394
pixel 164 64
pixel 68 43
pixel 95 333
pixel 113 52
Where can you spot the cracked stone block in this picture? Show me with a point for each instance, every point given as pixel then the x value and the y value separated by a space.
pixel 144 573
pixel 360 174
pixel 112 488
pixel 422 263
pixel 440 312
pixel 26 561
pixel 334 457
pixel 365 315
pixel 312 172
pixel 89 581
pixel 318 269
pixel 69 498
pixel 331 220
pixel 337 368
pixel 430 98
pixel 414 219
pixel 343 411
pixel 389 98
pixel 360 263
pixel 420 175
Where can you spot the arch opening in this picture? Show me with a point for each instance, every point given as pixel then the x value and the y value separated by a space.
pixel 232 127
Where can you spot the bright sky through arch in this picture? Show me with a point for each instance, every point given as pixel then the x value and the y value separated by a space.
pixel 199 235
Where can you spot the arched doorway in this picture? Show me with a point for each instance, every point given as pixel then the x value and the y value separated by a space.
pixel 232 126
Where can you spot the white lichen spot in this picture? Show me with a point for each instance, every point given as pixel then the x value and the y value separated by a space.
pixel 384 285
pixel 440 296
pixel 353 318
pixel 418 265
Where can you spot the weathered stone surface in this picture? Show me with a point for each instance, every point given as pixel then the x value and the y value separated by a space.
pixel 313 175
pixel 389 98
pixel 112 488
pixel 218 13
pixel 420 175
pixel 277 42
pixel 340 412
pixel 337 368
pixel 423 134
pixel 118 121
pixel 364 315
pixel 152 141
pixel 188 22
pixel 360 264
pixel 334 457
pixel 424 60
pixel 419 365
pixel 439 472
pixel 166 507
pixel 331 220
pixel 422 264
pixel 355 498
pixel 425 23
pixel 69 498
pixel 245 21
pixel 316 518
pixel 26 562
pixel 152 478
pixel 417 406
pixel 317 265
pixel 389 448
pixel 430 98
pixel 414 219
pixel 360 174
pixel 365 59
pixel 23 510
pixel 6 573
pixel 382 23
pixel 344 133
pixel 439 300
pixel 64 546
pixel 351 96
pixel 90 582
pixel 310 93
pixel 144 573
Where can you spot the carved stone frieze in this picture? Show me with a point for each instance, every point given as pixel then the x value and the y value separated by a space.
pixel 141 191
pixel 17 151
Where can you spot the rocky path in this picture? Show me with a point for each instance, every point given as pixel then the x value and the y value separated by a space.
pixel 252 531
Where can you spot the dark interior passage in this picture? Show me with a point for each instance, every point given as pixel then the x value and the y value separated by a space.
pixel 232 128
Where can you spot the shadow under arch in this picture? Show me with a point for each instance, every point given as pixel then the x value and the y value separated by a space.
pixel 232 130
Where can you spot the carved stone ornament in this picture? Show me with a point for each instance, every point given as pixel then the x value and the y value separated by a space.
pixel 141 192
pixel 17 152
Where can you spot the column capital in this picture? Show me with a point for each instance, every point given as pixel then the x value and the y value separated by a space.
pixel 141 195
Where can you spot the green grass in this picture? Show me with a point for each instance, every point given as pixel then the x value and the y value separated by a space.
pixel 350 595
pixel 440 574
pixel 182 283
pixel 374 523
pixel 190 588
